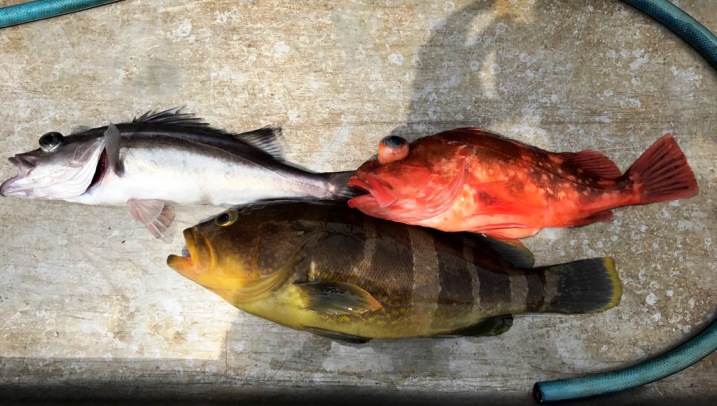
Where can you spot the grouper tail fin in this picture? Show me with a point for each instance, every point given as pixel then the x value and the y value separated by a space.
pixel 338 186
pixel 585 286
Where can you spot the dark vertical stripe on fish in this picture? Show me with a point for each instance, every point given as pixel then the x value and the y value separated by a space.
pixel 469 255
pixel 391 263
pixel 455 280
pixel 551 285
pixel 426 285
pixel 494 289
pixel 536 290
pixel 518 289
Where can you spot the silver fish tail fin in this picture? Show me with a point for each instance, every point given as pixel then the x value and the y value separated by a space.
pixel 338 187
pixel 585 286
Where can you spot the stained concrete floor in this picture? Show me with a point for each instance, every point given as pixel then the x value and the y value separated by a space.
pixel 89 308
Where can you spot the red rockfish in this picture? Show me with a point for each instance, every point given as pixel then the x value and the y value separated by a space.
pixel 468 179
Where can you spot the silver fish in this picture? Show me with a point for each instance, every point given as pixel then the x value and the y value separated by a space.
pixel 165 158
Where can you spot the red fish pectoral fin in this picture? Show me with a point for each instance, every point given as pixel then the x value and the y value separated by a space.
pixel 593 163
pixel 662 173
pixel 445 197
pixel 153 214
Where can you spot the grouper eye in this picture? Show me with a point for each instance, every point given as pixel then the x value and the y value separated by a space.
pixel 50 141
pixel 392 148
pixel 227 218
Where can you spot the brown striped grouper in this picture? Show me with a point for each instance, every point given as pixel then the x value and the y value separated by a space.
pixel 332 271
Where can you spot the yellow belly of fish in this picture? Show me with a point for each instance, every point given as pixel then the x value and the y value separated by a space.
pixel 286 307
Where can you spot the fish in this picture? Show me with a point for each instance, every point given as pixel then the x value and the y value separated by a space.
pixel 161 159
pixel 326 269
pixel 472 180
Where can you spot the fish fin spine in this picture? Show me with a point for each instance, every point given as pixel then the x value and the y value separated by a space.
pixel 604 216
pixel 594 163
pixel 336 336
pixel 510 250
pixel 337 298
pixel 662 173
pixel 492 326
pixel 266 139
pixel 154 215
pixel 113 138
pixel 172 116
pixel 584 286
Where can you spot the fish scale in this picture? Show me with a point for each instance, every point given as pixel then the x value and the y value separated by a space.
pixel 333 271
pixel 468 179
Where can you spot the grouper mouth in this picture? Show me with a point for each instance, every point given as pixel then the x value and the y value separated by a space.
pixel 200 256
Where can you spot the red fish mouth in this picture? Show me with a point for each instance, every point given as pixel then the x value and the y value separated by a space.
pixel 379 191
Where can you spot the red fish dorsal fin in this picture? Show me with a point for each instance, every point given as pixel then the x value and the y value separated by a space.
pixel 593 163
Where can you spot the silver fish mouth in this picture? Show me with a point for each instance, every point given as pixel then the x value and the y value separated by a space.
pixel 66 173
pixel 23 166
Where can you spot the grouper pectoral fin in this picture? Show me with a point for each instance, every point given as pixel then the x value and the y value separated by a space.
pixel 347 338
pixel 493 326
pixel 337 298
pixel 153 214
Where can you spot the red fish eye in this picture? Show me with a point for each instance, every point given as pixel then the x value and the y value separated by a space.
pixel 392 148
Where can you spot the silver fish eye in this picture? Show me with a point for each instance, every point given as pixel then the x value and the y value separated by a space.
pixel 50 141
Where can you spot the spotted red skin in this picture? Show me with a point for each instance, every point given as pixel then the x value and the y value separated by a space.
pixel 510 190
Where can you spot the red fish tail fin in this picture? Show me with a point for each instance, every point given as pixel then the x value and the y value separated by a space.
pixel 662 173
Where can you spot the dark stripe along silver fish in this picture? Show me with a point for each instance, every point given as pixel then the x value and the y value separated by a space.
pixel 335 272
pixel 163 158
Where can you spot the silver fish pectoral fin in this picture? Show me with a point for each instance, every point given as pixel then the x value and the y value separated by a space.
pixel 153 214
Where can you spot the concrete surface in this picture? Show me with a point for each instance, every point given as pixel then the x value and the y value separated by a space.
pixel 88 307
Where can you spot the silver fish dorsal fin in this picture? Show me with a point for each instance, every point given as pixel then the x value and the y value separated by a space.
pixel 172 116
pixel 265 139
